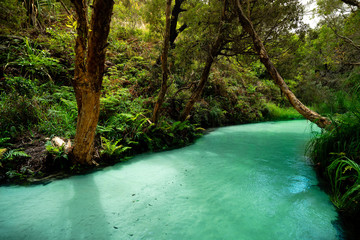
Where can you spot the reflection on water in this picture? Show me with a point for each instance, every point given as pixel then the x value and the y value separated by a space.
pixel 240 182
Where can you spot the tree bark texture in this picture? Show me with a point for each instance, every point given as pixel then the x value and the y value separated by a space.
pixel 164 66
pixel 89 69
pixel 314 117
pixel 80 49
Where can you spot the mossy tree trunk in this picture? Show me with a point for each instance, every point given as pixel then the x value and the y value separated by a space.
pixel 164 66
pixel 90 52
pixel 247 25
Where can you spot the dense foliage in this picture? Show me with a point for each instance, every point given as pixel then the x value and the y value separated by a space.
pixel 37 101
pixel 335 53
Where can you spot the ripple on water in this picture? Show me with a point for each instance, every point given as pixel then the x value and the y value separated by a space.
pixel 240 182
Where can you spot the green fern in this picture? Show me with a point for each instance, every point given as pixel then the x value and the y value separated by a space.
pixel 3 141
pixel 13 154
pixel 112 148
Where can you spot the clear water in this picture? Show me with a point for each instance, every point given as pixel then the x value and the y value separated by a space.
pixel 241 182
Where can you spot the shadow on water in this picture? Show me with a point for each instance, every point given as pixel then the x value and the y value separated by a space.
pixel 84 211
pixel 231 184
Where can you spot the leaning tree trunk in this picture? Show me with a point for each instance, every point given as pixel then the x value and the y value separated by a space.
pixel 164 66
pixel 314 117
pixel 195 96
pixel 89 72
pixel 213 53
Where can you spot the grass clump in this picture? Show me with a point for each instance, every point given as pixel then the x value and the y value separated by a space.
pixel 336 155
pixel 275 112
pixel 343 139
pixel 344 175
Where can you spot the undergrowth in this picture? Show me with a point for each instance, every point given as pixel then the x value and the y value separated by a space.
pixel 344 175
pixel 336 155
pixel 36 97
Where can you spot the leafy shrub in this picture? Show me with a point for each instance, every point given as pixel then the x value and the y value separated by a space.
pixel 131 128
pixel 62 41
pixel 18 85
pixel 17 113
pixel 57 152
pixel 57 158
pixel 167 135
pixel 336 156
pixel 208 114
pixel 3 141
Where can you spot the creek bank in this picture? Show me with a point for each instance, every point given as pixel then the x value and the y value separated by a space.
pixel 31 161
pixel 250 176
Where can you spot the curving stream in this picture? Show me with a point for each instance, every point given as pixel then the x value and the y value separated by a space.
pixel 240 182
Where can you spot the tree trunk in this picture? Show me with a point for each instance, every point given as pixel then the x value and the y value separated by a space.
pixel 195 96
pixel 89 72
pixel 31 11
pixel 213 53
pixel 174 32
pixel 86 127
pixel 164 66
pixel 314 117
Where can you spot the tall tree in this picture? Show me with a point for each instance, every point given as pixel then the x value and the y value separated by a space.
pixel 164 65
pixel 90 49
pixel 195 96
pixel 213 52
pixel 202 32
pixel 174 31
pixel 321 121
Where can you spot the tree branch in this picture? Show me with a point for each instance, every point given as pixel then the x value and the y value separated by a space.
pixel 348 40
pixel 164 65
pixel 64 6
pixel 354 3
pixel 314 117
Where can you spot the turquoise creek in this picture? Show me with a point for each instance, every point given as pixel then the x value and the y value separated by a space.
pixel 240 182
